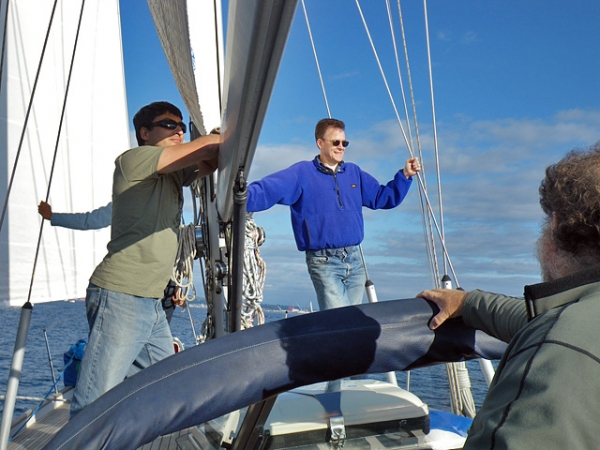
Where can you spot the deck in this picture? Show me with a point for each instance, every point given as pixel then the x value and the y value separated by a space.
pixel 38 434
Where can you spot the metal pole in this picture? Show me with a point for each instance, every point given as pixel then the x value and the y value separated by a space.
pixel 15 374
pixel 237 264
pixel 50 361
pixel 191 322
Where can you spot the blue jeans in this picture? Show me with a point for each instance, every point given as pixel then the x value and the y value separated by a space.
pixel 127 334
pixel 338 276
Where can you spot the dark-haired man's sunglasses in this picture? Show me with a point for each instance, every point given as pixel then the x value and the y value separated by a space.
pixel 169 124
pixel 337 142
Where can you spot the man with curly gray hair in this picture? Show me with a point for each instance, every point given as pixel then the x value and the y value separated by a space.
pixel 545 391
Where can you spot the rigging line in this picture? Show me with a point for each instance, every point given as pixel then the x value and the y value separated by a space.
pixel 387 86
pixel 26 121
pixel 419 178
pixel 393 34
pixel 3 44
pixel 312 43
pixel 409 79
pixel 62 117
pixel 437 227
pixel 428 228
pixel 435 139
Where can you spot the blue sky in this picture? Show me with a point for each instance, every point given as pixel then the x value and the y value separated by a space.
pixel 516 86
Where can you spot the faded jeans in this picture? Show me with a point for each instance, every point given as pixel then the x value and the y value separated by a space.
pixel 338 276
pixel 127 334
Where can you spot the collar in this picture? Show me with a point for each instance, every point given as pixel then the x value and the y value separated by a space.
pixel 543 297
pixel 323 168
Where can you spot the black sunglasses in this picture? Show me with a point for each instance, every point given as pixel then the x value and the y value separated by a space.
pixel 337 142
pixel 169 124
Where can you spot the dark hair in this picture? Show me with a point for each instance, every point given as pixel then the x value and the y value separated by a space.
pixel 323 124
pixel 571 191
pixel 146 115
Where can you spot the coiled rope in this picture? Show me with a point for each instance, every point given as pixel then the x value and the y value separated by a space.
pixel 255 271
pixel 183 275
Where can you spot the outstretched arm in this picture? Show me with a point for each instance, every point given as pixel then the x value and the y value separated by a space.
pixel 93 220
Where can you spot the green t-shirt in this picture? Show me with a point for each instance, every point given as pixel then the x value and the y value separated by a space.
pixel 145 219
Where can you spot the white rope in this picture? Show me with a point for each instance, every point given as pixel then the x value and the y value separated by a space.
pixel 316 59
pixel 461 396
pixel 255 271
pixel 435 139
pixel 184 264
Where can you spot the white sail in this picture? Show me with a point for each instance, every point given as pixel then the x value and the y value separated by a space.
pixel 93 131
pixel 191 36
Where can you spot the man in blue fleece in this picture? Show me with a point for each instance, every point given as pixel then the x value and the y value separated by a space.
pixel 326 197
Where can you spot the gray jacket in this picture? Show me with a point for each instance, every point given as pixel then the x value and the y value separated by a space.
pixel 546 392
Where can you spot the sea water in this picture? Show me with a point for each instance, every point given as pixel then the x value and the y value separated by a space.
pixel 56 326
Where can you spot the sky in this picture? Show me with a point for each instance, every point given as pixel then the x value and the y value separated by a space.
pixel 515 87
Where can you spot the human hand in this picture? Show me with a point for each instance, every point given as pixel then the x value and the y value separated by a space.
pixel 45 210
pixel 411 167
pixel 178 296
pixel 450 302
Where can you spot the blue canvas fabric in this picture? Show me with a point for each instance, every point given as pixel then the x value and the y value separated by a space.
pixel 182 390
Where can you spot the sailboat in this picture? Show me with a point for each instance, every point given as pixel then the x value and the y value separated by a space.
pixel 270 408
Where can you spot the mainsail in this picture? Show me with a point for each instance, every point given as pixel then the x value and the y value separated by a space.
pixel 62 93
pixel 191 37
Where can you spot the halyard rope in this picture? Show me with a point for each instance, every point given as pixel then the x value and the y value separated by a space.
pixel 183 275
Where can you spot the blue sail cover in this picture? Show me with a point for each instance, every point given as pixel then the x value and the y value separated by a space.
pixel 243 368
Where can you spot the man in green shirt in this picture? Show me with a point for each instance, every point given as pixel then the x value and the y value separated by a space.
pixel 128 327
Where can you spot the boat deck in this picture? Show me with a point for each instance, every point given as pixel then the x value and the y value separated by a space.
pixel 37 435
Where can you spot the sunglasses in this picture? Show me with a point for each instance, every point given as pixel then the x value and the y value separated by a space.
pixel 169 124
pixel 337 142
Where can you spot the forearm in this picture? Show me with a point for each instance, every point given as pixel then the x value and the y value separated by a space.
pixel 200 150
pixel 93 220
pixel 498 315
pixel 207 167
pixel 71 221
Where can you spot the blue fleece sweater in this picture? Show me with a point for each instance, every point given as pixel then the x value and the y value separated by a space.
pixel 326 207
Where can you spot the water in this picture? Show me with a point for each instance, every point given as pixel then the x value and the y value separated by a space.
pixel 64 323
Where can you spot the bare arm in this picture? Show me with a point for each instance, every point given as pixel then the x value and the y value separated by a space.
pixel 202 151
pixel 207 167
